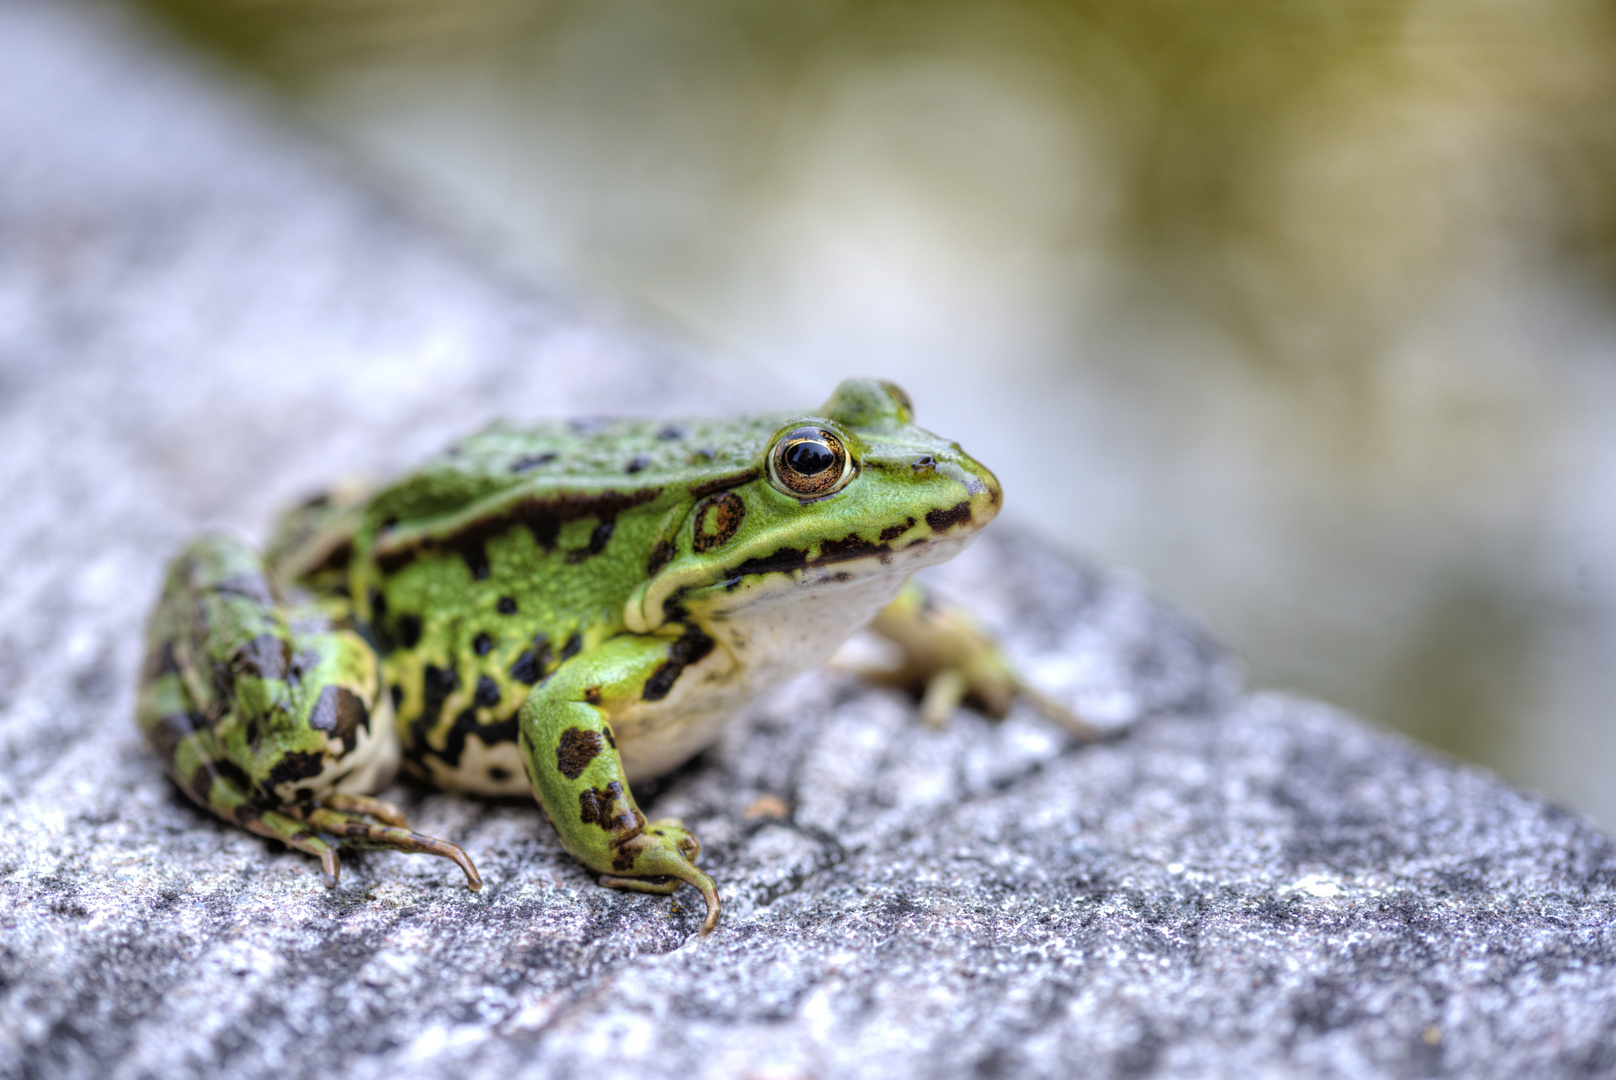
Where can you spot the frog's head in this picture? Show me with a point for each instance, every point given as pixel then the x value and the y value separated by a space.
pixel 842 506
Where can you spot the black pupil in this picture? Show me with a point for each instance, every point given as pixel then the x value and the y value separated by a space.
pixel 808 458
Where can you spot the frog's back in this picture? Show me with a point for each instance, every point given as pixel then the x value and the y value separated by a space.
pixel 511 552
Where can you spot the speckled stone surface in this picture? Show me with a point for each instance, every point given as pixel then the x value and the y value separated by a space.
pixel 199 319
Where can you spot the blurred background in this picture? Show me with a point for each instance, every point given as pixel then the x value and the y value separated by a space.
pixel 1304 310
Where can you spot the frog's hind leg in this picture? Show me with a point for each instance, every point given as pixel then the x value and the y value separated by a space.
pixel 949 660
pixel 262 707
pixel 191 756
pixel 295 834
pixel 354 829
pixel 380 809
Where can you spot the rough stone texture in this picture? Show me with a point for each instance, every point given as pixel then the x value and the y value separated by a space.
pixel 198 319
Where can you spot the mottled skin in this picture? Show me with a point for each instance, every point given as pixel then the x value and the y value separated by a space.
pixel 560 608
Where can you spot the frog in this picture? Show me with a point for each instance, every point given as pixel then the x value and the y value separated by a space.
pixel 559 609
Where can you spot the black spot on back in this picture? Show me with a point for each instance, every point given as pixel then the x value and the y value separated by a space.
pixel 487 692
pixel 436 686
pixel 527 670
pixel 409 630
pixel 598 539
pixel 534 663
pixel 506 605
pixel 570 649
pixel 482 644
pixel 466 723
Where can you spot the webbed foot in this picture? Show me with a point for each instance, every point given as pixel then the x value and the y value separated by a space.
pixel 949 660
pixel 353 827
pixel 657 859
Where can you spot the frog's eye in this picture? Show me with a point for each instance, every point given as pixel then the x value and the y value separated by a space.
pixel 809 462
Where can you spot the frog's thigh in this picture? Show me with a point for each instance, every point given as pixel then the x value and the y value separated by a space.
pixel 571 758
pixel 267 715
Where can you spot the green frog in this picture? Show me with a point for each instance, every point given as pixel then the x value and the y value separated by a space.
pixel 562 608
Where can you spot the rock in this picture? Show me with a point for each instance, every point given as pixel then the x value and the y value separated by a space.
pixel 200 318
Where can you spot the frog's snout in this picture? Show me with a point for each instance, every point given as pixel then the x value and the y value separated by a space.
pixel 983 494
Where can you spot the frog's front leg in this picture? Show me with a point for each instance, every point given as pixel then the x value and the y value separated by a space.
pixel 949 659
pixel 572 762
pixel 268 714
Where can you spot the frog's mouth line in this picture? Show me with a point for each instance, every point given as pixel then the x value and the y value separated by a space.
pixel 788 570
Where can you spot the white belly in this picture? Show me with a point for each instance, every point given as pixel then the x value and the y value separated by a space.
pixel 775 629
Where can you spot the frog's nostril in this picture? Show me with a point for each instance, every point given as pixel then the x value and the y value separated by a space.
pixel 924 463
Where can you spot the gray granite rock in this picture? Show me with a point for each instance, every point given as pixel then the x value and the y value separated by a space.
pixel 199 318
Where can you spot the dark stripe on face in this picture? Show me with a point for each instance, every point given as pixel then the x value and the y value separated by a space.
pixel 784 560
pixel 851 546
pixel 892 532
pixel 943 520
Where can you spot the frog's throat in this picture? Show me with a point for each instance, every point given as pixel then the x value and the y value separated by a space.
pixel 719 595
